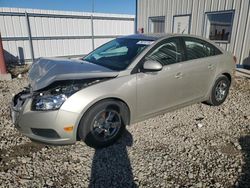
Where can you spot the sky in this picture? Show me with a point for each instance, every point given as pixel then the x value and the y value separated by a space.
pixel 104 6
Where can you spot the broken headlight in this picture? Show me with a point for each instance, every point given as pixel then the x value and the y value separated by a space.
pixel 53 97
pixel 49 102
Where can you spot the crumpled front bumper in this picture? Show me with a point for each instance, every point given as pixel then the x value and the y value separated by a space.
pixel 43 126
pixel 17 104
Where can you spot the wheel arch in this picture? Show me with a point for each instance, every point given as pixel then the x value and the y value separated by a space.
pixel 228 76
pixel 223 73
pixel 102 100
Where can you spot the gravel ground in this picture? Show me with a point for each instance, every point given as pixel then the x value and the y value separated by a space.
pixel 197 146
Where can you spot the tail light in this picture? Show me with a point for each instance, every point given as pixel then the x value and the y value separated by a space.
pixel 235 59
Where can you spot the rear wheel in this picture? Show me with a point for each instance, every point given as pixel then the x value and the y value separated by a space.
pixel 219 91
pixel 104 123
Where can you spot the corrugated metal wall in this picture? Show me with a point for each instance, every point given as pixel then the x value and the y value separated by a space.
pixel 240 39
pixel 58 33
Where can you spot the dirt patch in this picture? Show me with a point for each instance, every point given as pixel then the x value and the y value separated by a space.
pixel 229 149
pixel 7 157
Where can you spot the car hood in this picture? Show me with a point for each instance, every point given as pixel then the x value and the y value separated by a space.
pixel 46 71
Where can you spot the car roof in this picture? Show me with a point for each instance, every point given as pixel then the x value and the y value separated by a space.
pixel 153 36
pixel 157 36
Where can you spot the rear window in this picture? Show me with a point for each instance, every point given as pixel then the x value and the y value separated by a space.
pixel 197 48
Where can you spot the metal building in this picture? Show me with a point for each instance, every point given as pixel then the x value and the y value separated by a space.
pixel 227 22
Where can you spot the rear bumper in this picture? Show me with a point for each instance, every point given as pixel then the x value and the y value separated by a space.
pixel 43 126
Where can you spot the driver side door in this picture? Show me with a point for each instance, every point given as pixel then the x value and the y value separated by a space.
pixel 158 91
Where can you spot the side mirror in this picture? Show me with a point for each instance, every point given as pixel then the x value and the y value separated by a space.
pixel 152 66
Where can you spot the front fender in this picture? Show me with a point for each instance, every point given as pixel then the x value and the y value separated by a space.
pixel 123 88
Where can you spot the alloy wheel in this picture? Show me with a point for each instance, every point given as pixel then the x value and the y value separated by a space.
pixel 221 90
pixel 106 125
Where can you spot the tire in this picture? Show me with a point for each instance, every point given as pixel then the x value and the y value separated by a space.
pixel 96 128
pixel 218 96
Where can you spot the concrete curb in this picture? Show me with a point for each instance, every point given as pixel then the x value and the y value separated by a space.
pixel 5 77
pixel 243 73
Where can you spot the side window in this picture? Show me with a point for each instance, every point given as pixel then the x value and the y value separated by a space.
pixel 169 52
pixel 218 25
pixel 198 49
pixel 157 24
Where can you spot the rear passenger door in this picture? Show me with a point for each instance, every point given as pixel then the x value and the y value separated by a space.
pixel 199 67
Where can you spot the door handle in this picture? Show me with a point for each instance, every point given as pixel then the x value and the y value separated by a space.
pixel 211 67
pixel 178 75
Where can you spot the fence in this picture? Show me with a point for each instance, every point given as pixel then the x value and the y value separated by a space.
pixel 29 34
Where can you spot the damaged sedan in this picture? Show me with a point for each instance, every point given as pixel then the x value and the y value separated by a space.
pixel 126 80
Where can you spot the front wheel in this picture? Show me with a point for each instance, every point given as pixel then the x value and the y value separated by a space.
pixel 103 124
pixel 220 91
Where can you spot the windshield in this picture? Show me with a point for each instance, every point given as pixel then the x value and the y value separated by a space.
pixel 117 54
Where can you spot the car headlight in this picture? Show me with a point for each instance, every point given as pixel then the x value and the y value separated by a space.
pixel 49 102
pixel 53 97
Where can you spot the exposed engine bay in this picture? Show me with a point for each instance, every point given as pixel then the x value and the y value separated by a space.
pixel 54 95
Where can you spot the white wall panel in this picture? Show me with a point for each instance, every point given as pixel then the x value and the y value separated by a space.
pixel 113 27
pixel 9 26
pixel 58 33
pixel 241 28
pixel 2 28
pixel 99 42
pixel 23 26
pixel 36 47
pixel 246 45
pixel 6 46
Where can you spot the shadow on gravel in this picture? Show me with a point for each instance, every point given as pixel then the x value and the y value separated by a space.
pixel 244 180
pixel 111 166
